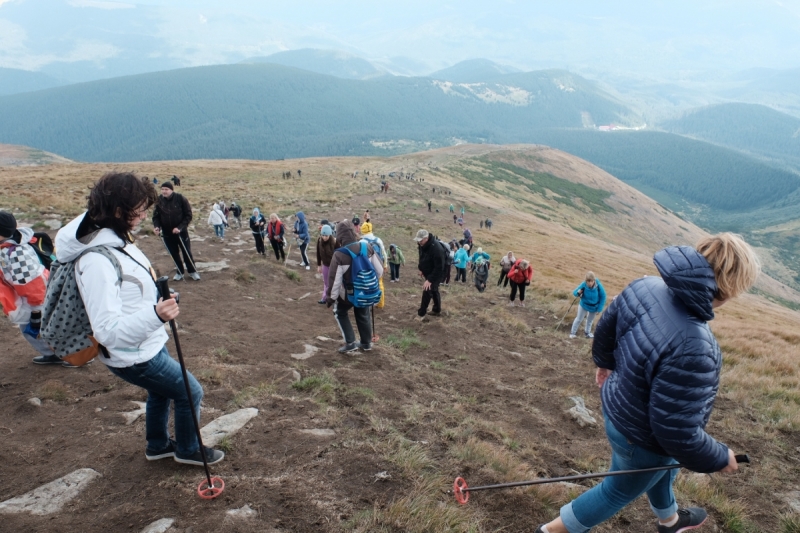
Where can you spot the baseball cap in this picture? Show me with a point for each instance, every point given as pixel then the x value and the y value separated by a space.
pixel 421 234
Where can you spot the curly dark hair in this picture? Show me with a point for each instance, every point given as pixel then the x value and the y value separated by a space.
pixel 115 198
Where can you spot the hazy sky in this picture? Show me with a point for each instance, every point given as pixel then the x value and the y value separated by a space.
pixel 648 37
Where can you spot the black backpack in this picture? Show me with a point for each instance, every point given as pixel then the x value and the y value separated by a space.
pixel 448 254
pixel 43 245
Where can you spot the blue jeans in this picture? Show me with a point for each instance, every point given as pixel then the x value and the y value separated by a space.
pixel 219 230
pixel 162 379
pixel 609 497
pixel 38 344
pixel 583 313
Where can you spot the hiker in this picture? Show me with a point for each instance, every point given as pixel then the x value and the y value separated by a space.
pixel 488 223
pixel 468 238
pixel 275 233
pixel 301 230
pixel 326 245
pixel 455 218
pixel 155 181
pixel 593 299
pixel 325 222
pixel 658 368
pixel 341 288
pixel 395 258
pixel 225 211
pixel 236 211
pixel 452 210
pixel 480 272
pixel 386 187
pixel 460 222
pixel 377 245
pixel 127 315
pixel 506 263
pixel 176 180
pixel 479 253
pixel 460 260
pixel 429 206
pixel 257 228
pixel 520 275
pixel 431 268
pixel 23 286
pixel 462 211
pixel 448 259
pixel 171 218
pixel 217 219
pixel 481 224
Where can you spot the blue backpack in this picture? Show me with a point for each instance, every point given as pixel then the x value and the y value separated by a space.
pixel 376 247
pixel 365 290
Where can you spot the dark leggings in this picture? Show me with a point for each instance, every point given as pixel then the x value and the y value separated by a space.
pixel 503 278
pixel 277 247
pixel 259 242
pixel 461 274
pixel 394 269
pixel 303 254
pixel 514 287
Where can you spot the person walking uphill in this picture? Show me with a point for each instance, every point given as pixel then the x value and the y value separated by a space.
pixel 340 287
pixel 126 314
pixel 217 219
pixel 171 218
pixel 377 246
pixel 257 228
pixel 395 258
pixel 505 267
pixel 658 367
pixel 460 261
pixel 301 230
pixel 431 268
pixel 520 275
pixel 275 232
pixel 593 300
pixel 326 245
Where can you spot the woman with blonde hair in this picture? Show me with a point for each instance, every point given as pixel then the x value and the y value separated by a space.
pixel 593 300
pixel 275 233
pixel 658 367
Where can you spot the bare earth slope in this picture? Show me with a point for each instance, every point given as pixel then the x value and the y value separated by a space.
pixel 481 391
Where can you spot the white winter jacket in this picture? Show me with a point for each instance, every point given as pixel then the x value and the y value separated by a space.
pixel 123 317
pixel 216 217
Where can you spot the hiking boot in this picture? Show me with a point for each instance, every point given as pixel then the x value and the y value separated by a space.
pixel 573 336
pixel 689 518
pixel 177 277
pixel 352 347
pixel 155 455
pixel 195 276
pixel 365 347
pixel 323 301
pixel 589 335
pixel 47 360
pixel 212 457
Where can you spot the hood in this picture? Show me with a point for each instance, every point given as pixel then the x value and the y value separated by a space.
pixel 345 232
pixel 26 233
pixel 256 212
pixel 301 217
pixel 690 278
pixel 68 247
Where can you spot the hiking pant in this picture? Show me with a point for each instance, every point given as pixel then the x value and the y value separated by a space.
pixel 394 270
pixel 461 273
pixel 514 287
pixel 238 221
pixel 259 243
pixel 38 344
pixel 503 278
pixel 583 313
pixel 380 304
pixel 480 282
pixel 609 497
pixel 173 243
pixel 325 271
pixel 303 254
pixel 363 322
pixel 447 275
pixel 161 377
pixel 219 230
pixel 427 296
pixel 277 247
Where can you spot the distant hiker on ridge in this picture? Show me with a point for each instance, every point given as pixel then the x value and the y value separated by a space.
pixel 429 206
pixel 171 218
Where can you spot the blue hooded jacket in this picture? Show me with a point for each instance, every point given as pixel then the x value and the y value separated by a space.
pixel 666 362
pixel 301 227
pixel 594 299
pixel 461 258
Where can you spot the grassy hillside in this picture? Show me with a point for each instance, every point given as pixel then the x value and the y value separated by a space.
pixel 269 111
pixel 481 391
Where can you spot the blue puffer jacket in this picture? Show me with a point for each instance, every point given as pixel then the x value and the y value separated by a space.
pixel 594 298
pixel 665 360
pixel 301 227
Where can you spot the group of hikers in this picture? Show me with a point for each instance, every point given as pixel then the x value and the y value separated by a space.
pixel 658 363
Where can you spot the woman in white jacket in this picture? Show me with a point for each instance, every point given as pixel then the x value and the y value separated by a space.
pixel 127 315
pixel 217 219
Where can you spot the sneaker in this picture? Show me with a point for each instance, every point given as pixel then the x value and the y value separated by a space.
pixel 308 267
pixel 365 347
pixel 352 347
pixel 522 304
pixel 212 457
pixel 573 336
pixel 511 304
pixel 177 277
pixel 67 364
pixel 322 302
pixel 195 276
pixel 589 335
pixel 391 281
pixel 47 360
pixel 155 455
pixel 689 518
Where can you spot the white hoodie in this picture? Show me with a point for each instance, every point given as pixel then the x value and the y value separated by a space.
pixel 216 217
pixel 123 317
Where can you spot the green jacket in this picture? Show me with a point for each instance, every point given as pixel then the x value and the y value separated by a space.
pixel 397 258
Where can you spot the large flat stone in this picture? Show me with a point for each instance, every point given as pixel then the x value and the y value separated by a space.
pixel 319 432
pixel 211 266
pixel 159 526
pixel 310 350
pixel 226 425
pixel 51 497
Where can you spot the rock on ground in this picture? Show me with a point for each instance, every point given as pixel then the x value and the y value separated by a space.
pixel 51 497
pixel 319 432
pixel 310 350
pixel 226 425
pixel 242 512
pixel 132 416
pixel 159 526
pixel 580 413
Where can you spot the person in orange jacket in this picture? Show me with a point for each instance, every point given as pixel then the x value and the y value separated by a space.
pixel 520 277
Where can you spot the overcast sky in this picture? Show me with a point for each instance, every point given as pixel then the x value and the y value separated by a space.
pixel 636 37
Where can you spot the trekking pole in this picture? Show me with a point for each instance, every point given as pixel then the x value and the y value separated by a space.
pixel 461 490
pixel 163 240
pixel 186 252
pixel 565 314
pixel 288 249
pixel 210 490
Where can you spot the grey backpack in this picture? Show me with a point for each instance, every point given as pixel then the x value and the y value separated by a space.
pixel 65 324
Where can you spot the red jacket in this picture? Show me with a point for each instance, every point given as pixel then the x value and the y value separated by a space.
pixel 519 276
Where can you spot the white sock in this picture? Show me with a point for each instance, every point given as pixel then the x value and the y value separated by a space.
pixel 544 529
pixel 670 523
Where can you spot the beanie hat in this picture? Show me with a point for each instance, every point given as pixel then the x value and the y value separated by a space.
pixel 326 230
pixel 366 227
pixel 8 224
pixel 167 184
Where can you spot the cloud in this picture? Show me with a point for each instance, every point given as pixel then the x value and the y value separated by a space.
pixel 203 19
pixel 99 4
